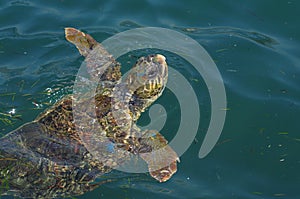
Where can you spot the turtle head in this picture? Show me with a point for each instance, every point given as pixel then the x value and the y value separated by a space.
pixel 148 78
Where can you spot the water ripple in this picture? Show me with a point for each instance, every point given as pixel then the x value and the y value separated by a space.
pixel 256 37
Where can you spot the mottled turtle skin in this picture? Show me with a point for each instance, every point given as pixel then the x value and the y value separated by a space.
pixel 54 156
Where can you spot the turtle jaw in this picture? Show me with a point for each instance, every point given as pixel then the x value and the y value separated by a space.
pixel 156 84
pixel 163 68
pixel 148 77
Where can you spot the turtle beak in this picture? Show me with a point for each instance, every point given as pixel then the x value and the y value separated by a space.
pixel 164 67
pixel 160 59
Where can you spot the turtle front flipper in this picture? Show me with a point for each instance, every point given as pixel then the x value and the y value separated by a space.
pixel 160 157
pixel 84 42
pixel 100 64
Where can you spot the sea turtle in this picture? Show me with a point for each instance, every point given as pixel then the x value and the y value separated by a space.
pixel 56 156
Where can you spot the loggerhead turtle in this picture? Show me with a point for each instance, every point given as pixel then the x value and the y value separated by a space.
pixel 51 156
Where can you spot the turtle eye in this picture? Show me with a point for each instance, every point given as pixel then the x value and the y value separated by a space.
pixel 152 73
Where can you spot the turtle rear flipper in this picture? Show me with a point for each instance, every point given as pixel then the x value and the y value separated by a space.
pixel 160 157
pixel 36 164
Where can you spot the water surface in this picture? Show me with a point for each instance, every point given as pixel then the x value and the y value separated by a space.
pixel 255 47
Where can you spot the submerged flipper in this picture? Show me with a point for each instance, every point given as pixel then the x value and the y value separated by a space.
pixel 160 157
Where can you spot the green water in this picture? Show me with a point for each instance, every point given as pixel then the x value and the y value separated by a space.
pixel 255 47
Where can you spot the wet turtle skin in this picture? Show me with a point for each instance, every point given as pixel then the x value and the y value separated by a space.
pixel 51 156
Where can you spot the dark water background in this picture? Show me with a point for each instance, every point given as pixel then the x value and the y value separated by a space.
pixel 255 45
